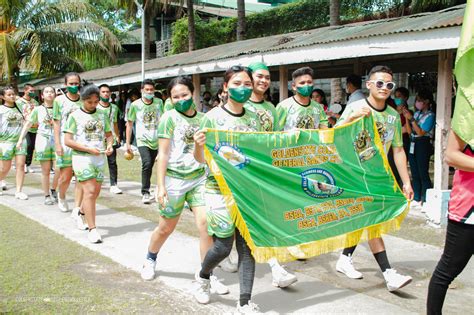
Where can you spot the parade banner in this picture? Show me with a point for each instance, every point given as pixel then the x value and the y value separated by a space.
pixel 306 192
pixel 463 118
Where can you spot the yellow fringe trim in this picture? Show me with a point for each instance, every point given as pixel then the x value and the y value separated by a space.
pixel 311 249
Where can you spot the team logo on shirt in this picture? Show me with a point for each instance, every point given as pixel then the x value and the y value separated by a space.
pixel 319 183
pixel 363 146
pixel 266 120
pixel 14 119
pixel 305 122
pixel 93 130
pixel 232 154
pixel 188 137
pixel 149 119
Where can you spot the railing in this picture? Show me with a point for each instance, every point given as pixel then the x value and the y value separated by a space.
pixel 163 47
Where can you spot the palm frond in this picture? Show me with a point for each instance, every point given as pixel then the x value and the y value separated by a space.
pixel 8 56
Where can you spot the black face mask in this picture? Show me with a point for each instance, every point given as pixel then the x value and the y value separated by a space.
pixel 207 99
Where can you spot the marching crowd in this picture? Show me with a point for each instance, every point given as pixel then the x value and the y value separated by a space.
pixel 76 131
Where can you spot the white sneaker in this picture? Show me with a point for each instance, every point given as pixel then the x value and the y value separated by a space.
pixel 296 252
pixel 94 236
pixel 62 205
pixel 3 185
pixel 395 280
pixel 203 292
pixel 228 266
pixel 146 198
pixel 148 270
pixel 282 278
pixel 29 170
pixel 415 204
pixel 344 265
pixel 249 308
pixel 81 222
pixel 21 195
pixel 115 190
pixel 217 286
pixel 48 201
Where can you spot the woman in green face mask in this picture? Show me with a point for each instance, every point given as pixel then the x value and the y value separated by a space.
pixel 230 116
pixel 180 178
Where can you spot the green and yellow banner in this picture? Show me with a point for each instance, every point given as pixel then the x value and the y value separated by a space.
pixel 306 192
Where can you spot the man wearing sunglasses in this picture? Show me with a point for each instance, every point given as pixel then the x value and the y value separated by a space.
pixel 380 87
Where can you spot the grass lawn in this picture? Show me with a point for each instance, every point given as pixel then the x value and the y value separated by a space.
pixel 42 272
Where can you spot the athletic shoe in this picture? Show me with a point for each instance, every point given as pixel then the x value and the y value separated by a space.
pixel 282 278
pixel 94 236
pixel 75 212
pixel 48 201
pixel 296 252
pixel 62 205
pixel 216 285
pixel 148 270
pixel 81 222
pixel 29 170
pixel 146 198
pixel 415 204
pixel 203 292
pixel 115 190
pixel 395 280
pixel 344 265
pixel 228 266
pixel 249 308
pixel 3 185
pixel 21 195
pixel 54 195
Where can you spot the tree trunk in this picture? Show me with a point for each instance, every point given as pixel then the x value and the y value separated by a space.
pixel 147 15
pixel 241 19
pixel 191 26
pixel 334 19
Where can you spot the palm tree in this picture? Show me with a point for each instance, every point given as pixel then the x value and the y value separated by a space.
pixel 240 19
pixel 47 37
pixel 334 19
pixel 191 26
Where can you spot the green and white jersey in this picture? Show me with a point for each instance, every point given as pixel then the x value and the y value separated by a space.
pixel 63 107
pixel 146 118
pixel 112 113
pixel 168 105
pixel 42 116
pixel 266 114
pixel 88 129
pixel 11 122
pixel 388 123
pixel 292 115
pixel 222 119
pixel 27 107
pixel 180 129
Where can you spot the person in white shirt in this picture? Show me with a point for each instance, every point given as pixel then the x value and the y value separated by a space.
pixel 353 88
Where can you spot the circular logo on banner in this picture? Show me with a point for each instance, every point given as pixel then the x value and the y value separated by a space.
pixel 319 183
pixel 232 154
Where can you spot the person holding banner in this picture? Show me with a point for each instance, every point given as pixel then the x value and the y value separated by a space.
pixel 180 178
pixel 267 116
pixel 380 86
pixel 231 116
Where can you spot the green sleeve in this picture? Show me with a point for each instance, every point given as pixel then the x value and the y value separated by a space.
pixel 56 110
pixel 107 124
pixel 166 127
pixel 397 136
pixel 115 113
pixel 281 114
pixel 71 126
pixel 276 126
pixel 33 116
pixel 132 112
pixel 323 118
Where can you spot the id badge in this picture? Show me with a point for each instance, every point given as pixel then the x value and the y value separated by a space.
pixel 412 147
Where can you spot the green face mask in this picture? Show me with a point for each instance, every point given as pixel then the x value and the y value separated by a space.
pixel 183 105
pixel 148 96
pixel 240 94
pixel 103 99
pixel 31 94
pixel 73 89
pixel 304 90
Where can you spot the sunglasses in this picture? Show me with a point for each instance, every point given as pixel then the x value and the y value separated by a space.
pixel 379 84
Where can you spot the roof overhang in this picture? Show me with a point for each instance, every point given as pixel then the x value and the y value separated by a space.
pixel 400 43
